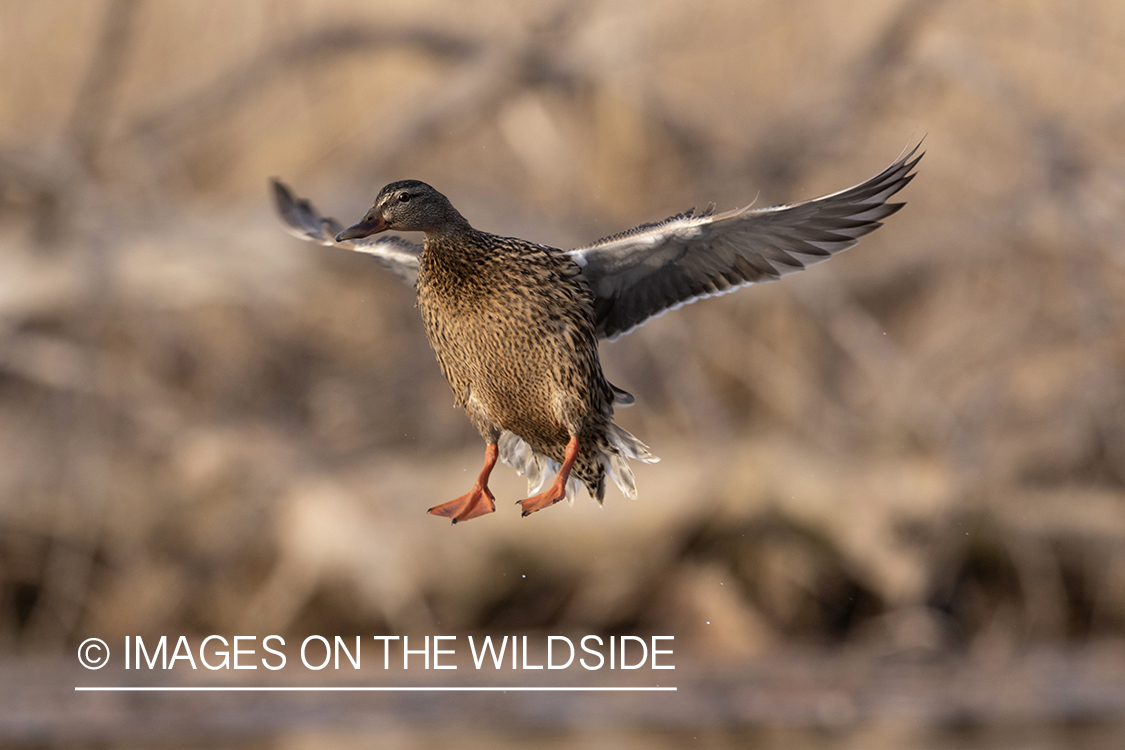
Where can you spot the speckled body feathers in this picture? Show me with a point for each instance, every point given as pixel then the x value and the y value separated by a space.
pixel 512 324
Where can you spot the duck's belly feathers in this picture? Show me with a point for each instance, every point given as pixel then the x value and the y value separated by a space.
pixel 519 350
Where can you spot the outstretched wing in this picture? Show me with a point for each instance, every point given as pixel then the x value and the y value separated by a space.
pixel 302 220
pixel 643 273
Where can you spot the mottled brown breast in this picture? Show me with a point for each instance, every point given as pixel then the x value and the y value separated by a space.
pixel 512 326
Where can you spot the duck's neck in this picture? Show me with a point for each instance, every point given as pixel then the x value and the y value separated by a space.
pixel 454 259
pixel 446 241
pixel 461 242
pixel 452 226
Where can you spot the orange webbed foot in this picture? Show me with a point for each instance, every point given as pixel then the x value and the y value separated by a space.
pixel 543 500
pixel 557 491
pixel 478 501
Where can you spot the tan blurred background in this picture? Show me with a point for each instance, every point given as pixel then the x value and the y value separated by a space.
pixel 891 507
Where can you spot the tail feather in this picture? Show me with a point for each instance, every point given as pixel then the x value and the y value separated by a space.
pixel 618 469
pixel 628 444
pixel 625 446
pixel 538 468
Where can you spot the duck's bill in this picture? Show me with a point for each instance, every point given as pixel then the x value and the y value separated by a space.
pixel 365 228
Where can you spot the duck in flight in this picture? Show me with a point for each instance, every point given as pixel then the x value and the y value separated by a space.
pixel 516 325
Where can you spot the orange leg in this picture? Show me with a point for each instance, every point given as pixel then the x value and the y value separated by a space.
pixel 476 502
pixel 556 491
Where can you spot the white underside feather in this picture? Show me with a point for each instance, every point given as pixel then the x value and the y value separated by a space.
pixel 515 452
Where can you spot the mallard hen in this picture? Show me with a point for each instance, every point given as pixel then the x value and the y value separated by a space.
pixel 515 325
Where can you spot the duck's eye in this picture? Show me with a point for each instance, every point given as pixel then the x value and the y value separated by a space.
pixel 403 197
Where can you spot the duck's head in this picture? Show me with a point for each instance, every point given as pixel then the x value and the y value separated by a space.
pixel 406 206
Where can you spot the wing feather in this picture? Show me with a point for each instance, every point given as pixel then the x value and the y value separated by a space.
pixel 644 272
pixel 302 220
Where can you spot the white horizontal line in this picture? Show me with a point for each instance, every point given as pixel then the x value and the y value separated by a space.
pixel 371 689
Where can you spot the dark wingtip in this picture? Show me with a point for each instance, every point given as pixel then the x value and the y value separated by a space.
pixel 281 193
pixel 911 156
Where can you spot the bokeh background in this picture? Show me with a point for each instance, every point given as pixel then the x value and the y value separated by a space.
pixel 891 507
